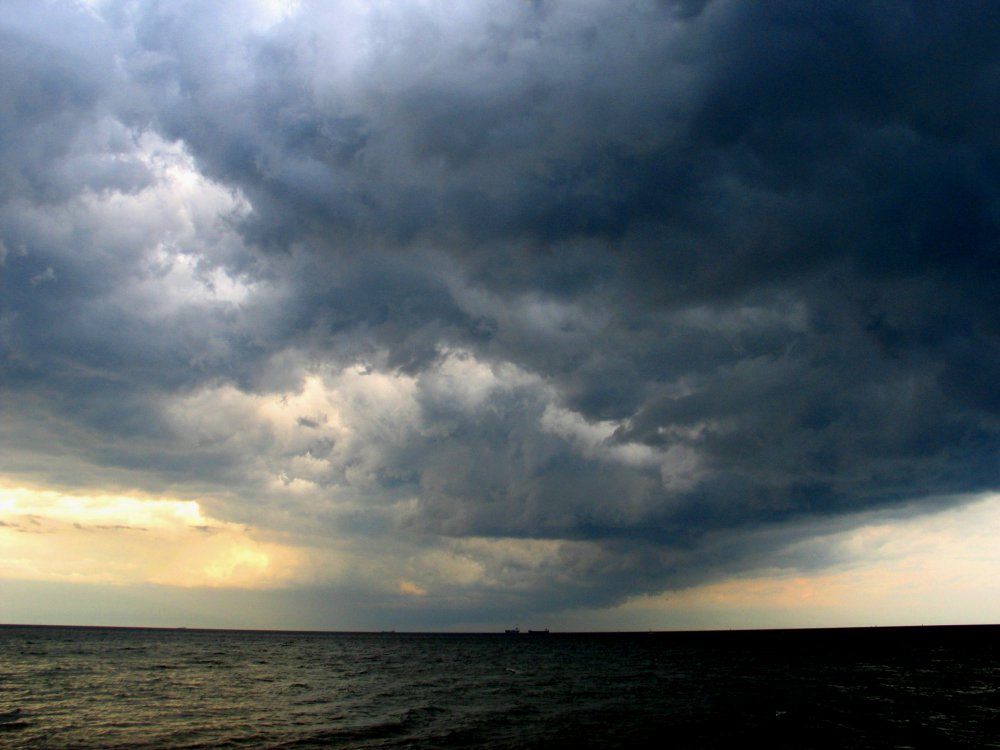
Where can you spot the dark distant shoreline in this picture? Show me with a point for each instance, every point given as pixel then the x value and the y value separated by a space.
pixel 901 630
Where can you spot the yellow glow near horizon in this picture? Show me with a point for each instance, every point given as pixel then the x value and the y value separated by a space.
pixel 124 539
pixel 934 569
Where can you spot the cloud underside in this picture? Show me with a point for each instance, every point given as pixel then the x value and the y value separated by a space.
pixel 572 301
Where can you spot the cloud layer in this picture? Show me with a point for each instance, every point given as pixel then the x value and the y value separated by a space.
pixel 562 302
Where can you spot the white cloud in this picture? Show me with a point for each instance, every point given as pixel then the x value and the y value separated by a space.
pixel 679 465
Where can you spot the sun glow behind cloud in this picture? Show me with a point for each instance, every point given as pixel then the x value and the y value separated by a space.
pixel 121 539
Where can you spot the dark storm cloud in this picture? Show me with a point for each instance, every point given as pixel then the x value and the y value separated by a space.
pixel 742 256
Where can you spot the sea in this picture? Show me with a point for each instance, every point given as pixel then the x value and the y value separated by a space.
pixel 921 687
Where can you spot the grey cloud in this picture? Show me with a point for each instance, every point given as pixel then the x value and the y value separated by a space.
pixel 760 235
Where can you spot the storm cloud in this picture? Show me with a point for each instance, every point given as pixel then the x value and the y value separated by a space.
pixel 554 302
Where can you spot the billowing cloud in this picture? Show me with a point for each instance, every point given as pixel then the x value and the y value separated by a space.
pixel 539 304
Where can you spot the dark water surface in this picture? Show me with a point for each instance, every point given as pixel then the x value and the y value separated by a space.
pixel 140 688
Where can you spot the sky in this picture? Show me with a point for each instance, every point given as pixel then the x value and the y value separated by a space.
pixel 414 315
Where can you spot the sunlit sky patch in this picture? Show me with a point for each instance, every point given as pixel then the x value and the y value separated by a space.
pixel 124 540
pixel 935 570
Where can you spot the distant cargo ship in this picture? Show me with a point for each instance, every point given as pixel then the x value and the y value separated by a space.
pixel 516 630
